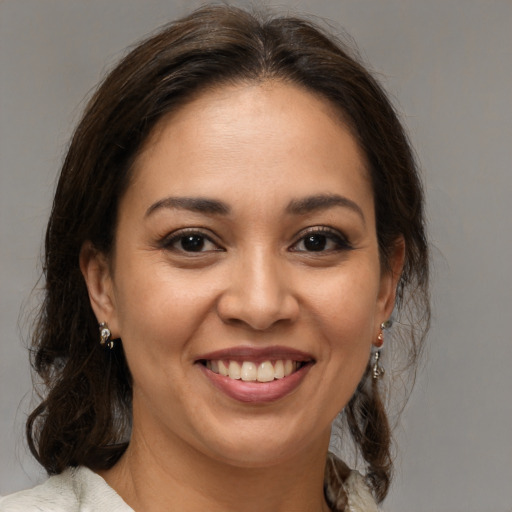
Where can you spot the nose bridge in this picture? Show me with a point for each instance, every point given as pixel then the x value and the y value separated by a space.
pixel 259 292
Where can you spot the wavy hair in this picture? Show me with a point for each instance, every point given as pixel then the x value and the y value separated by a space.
pixel 84 414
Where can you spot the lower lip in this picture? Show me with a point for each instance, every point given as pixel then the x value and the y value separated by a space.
pixel 256 392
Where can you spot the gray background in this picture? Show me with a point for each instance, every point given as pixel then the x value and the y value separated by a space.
pixel 448 64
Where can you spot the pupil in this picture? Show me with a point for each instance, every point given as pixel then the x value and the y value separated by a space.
pixel 315 242
pixel 192 243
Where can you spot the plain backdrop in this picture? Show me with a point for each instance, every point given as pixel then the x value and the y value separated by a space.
pixel 448 67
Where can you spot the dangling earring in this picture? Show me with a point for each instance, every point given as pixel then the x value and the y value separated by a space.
pixel 380 338
pixel 105 340
pixel 378 370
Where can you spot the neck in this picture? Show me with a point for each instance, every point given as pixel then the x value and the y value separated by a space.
pixel 155 476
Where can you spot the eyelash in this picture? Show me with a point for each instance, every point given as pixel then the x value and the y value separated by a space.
pixel 169 241
pixel 340 241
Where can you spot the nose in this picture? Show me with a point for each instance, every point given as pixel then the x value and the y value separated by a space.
pixel 259 293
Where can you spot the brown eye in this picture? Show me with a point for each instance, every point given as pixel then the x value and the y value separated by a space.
pixel 321 240
pixel 189 242
pixel 192 243
pixel 315 242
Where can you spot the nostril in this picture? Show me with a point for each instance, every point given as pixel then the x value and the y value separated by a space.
pixel 259 311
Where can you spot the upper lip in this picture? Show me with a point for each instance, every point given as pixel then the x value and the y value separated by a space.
pixel 257 354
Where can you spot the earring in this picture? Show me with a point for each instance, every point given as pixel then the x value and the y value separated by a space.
pixel 377 370
pixel 105 334
pixel 380 339
pixel 387 323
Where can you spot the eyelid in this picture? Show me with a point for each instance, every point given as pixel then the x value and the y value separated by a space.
pixel 334 234
pixel 168 240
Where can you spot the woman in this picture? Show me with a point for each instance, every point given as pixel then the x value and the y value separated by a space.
pixel 237 218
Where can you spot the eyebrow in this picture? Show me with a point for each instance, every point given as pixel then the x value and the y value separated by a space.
pixel 321 202
pixel 194 204
pixel 301 206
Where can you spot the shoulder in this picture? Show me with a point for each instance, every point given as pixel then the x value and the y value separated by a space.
pixel 74 490
pixel 55 495
pixel 346 490
pixel 360 499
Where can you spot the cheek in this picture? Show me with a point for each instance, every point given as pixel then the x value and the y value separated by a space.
pixel 346 304
pixel 344 330
pixel 158 310
pixel 345 315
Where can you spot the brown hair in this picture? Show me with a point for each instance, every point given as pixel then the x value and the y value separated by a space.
pixel 84 415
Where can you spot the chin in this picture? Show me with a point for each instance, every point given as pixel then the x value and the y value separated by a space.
pixel 261 447
pixel 258 457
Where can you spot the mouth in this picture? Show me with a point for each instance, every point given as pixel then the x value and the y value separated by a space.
pixel 255 375
pixel 253 371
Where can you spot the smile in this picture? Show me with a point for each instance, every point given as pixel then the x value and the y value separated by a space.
pixel 250 371
pixel 256 375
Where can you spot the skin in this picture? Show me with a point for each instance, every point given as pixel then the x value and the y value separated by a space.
pixel 257 148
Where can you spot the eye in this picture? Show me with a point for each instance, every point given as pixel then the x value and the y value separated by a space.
pixel 321 240
pixel 190 242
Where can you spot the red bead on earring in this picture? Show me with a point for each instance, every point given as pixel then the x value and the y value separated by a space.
pixel 380 340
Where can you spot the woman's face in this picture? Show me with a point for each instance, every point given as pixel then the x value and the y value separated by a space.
pixel 245 246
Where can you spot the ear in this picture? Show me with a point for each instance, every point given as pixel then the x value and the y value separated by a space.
pixel 96 270
pixel 389 281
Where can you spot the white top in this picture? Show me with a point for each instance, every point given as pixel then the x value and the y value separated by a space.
pixel 74 490
pixel 82 490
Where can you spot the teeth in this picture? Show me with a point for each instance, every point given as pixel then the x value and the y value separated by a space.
pixel 279 370
pixel 266 372
pixel 234 370
pixel 249 371
pixel 223 368
pixel 288 367
pixel 252 372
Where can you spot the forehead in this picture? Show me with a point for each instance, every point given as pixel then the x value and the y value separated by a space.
pixel 271 135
